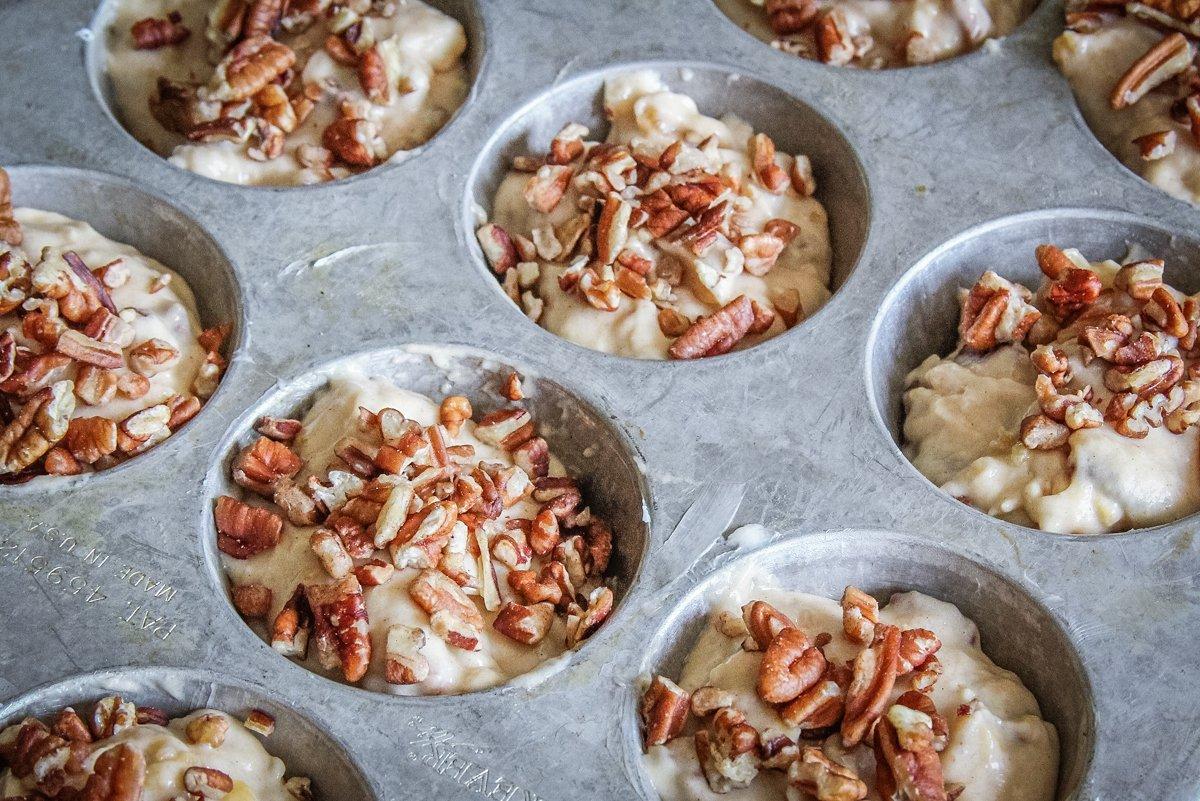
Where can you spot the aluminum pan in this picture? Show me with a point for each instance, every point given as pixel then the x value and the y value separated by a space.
pixel 371 262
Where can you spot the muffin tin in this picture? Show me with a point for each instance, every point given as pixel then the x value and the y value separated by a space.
pixel 931 174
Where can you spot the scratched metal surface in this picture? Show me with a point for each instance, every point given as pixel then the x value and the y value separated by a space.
pixel 117 571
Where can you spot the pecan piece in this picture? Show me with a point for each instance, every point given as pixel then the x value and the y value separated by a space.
pixel 790 665
pixel 761 150
pixel 243 530
pixel 528 625
pixel 1167 58
pixel 860 613
pixel 906 762
pixel 823 779
pixel 405 662
pixel 340 620
pixel 119 774
pixel 247 69
pixel 252 601
pixel 664 711
pixel 764 623
pixel 42 421
pixel 500 252
pixel 352 141
pixel 449 608
pixel 261 466
pixel 874 676
pixel 372 74
pixel 716 333
pixel 788 17
pixel 89 439
pixel 995 311
pixel 728 751
pixel 152 33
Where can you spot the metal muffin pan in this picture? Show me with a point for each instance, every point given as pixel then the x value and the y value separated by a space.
pixel 117 570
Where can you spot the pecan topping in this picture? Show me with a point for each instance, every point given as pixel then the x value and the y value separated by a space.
pixel 875 670
pixel 728 751
pixel 860 613
pixel 764 623
pixel 119 774
pixel 823 779
pixel 244 531
pixel 717 333
pixel 1170 56
pixel 906 760
pixel 994 312
pixel 41 423
pixel 247 68
pixel 405 662
pixel 152 33
pixel 528 625
pixel 252 600
pixel 340 624
pixel 790 665
pixel 664 711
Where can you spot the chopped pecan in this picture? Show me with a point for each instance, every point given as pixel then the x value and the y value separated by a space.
pixel 83 348
pixel 1040 432
pixel 1164 60
pixel 664 711
pixel 728 751
pixel 582 624
pixel 916 647
pixel 874 676
pixel 835 44
pixel 405 662
pixel 707 700
pixel 790 665
pixel 110 716
pixel 373 75
pixel 244 531
pixel 994 312
pixel 1140 278
pixel 788 17
pixel 860 613
pixel 1165 312
pixel 208 729
pixel 151 357
pixel 207 783
pixel 91 438
pixel 761 150
pixel 252 600
pixel 437 595
pixel 261 466
pixel 247 68
pixel 546 187
pixel 260 722
pixel 528 625
pixel 907 763
pixel 340 619
pixel 152 33
pixel 764 623
pixel 820 706
pixel 42 421
pixel 290 629
pixel 716 333
pixel 1156 144
pixel 352 141
pixel 823 779
pixel 278 429
pixel 119 774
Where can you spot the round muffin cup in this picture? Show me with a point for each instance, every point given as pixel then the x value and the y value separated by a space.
pixel 1015 630
pixel 591 449
pixel 920 315
pixel 156 227
pixel 99 39
pixel 301 743
pixel 795 126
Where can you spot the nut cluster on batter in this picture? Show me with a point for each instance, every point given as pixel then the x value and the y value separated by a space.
pixel 642 210
pixel 415 505
pixel 818 696
pixel 67 349
pixel 110 755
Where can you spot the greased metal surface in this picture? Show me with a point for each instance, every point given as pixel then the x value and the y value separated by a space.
pixel 959 163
